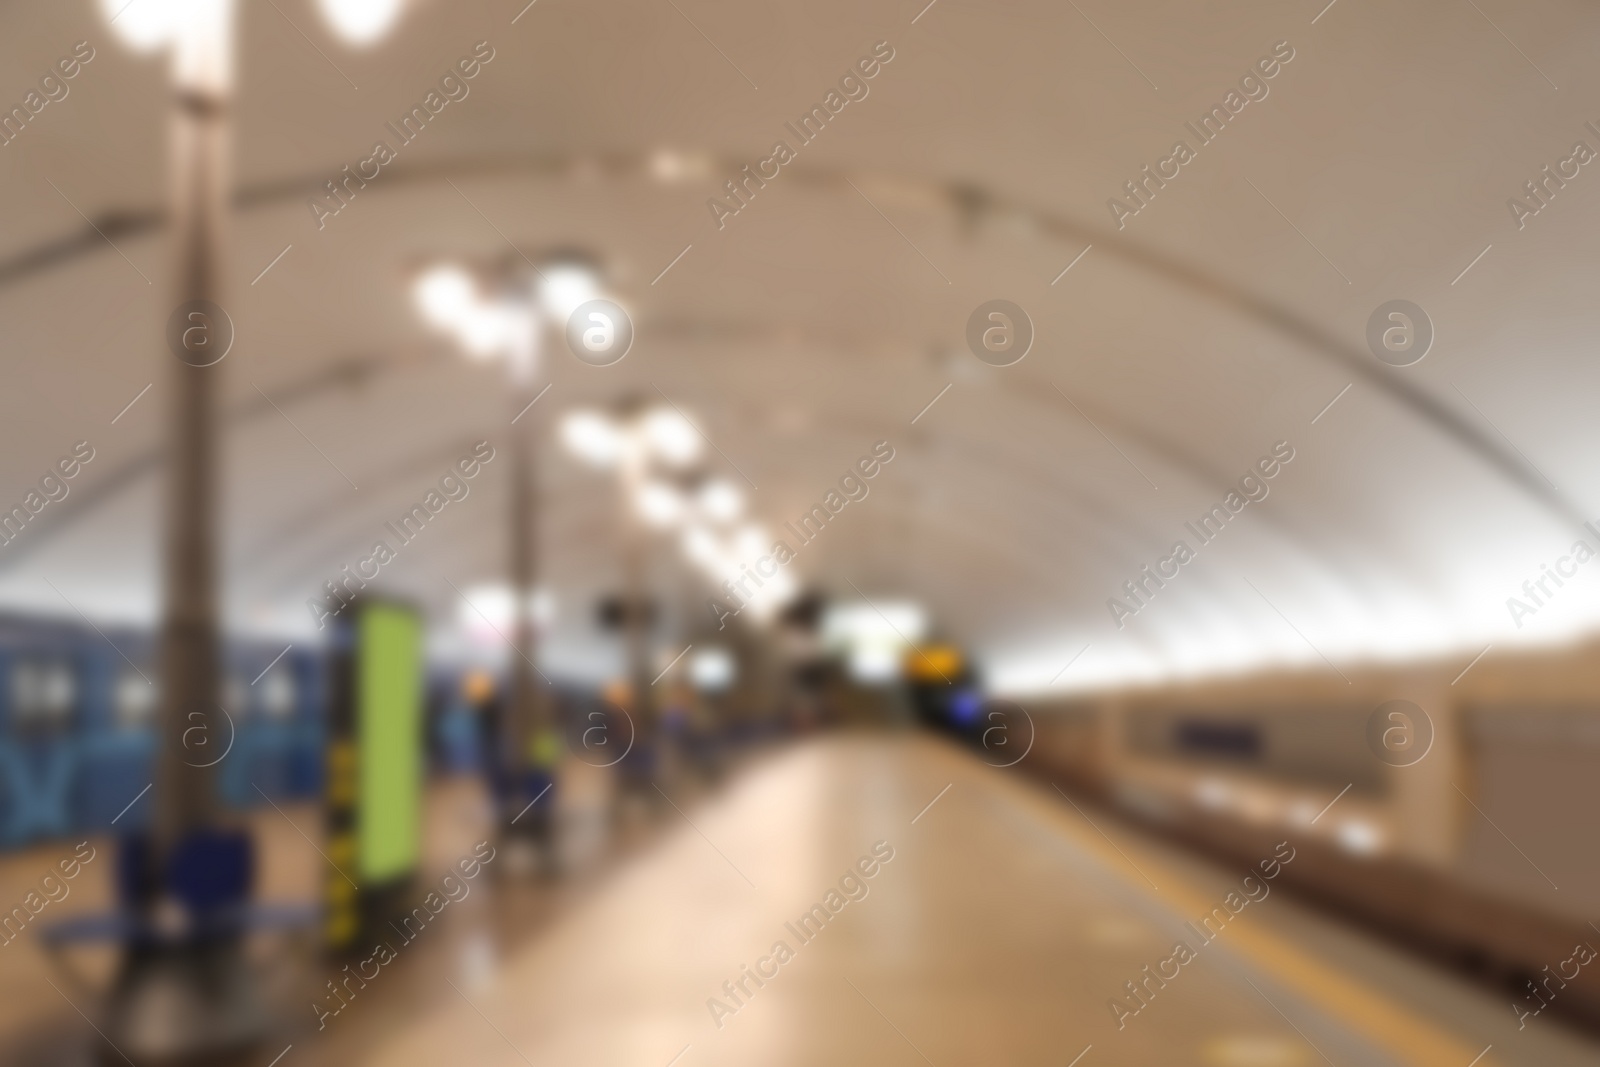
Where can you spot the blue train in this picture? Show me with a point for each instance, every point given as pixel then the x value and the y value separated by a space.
pixel 77 726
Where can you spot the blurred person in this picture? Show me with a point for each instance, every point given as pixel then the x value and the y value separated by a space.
pixel 637 768
pixel 702 737
pixel 537 796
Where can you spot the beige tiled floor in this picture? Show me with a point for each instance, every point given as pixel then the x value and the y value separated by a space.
pixel 996 935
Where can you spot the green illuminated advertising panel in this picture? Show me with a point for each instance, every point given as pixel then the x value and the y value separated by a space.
pixel 389 728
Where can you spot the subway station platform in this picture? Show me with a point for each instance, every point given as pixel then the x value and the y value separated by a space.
pixel 929 909
pixel 998 933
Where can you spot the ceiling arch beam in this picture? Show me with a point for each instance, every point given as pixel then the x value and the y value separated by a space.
pixel 967 203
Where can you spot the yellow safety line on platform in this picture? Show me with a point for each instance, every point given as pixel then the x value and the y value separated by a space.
pixel 1411 1039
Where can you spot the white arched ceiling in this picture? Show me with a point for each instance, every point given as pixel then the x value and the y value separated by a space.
pixel 1209 328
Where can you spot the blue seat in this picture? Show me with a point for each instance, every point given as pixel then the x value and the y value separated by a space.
pixel 211 872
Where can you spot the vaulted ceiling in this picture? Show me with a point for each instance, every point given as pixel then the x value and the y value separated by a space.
pixel 1175 353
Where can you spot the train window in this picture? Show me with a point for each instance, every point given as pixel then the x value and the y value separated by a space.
pixel 42 694
pixel 1231 740
pixel 277 694
pixel 134 704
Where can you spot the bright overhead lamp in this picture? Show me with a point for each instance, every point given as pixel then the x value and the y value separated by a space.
pixel 565 288
pixel 144 25
pixel 446 294
pixel 358 22
pixel 199 34
pixel 720 500
pixel 487 330
pixel 659 504
pixel 701 545
pixel 671 436
pixel 489 609
pixel 751 541
pixel 894 622
pixel 773 594
pixel 782 586
pixel 451 300
pixel 712 669
pixel 591 437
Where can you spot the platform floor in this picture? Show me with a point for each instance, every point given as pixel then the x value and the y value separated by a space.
pixel 997 933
